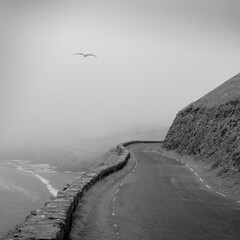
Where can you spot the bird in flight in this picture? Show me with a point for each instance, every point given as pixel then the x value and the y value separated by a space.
pixel 86 55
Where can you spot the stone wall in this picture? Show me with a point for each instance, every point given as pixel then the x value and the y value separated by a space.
pixel 53 221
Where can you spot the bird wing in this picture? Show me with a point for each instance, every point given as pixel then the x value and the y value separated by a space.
pixel 79 54
pixel 91 55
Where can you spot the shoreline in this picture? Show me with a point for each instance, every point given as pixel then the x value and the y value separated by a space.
pixel 23 191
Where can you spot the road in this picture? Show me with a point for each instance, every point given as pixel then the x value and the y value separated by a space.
pixel 155 197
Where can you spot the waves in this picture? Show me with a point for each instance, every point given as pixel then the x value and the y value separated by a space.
pixel 25 186
pixel 50 188
pixel 37 170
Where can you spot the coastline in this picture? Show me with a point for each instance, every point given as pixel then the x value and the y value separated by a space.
pixel 23 190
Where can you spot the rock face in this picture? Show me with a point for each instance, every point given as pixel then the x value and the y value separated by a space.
pixel 209 129
pixel 53 221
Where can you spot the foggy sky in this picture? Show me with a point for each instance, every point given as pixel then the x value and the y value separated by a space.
pixel 154 58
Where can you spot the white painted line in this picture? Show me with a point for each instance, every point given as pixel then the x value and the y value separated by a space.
pixel 207 186
pixel 196 174
pixel 114 199
pixel 121 184
pixel 117 233
pixel 113 214
pixel 115 225
pixel 221 194
pixel 187 165
pixel 191 169
pixel 201 179
pixel 117 190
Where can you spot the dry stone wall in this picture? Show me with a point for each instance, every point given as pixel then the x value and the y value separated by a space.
pixel 53 221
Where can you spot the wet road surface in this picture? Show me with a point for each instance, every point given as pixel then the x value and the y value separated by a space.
pixel 155 197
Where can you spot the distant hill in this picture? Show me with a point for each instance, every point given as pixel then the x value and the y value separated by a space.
pixel 209 130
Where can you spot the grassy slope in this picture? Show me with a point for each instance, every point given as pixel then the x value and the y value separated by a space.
pixel 226 92
pixel 205 134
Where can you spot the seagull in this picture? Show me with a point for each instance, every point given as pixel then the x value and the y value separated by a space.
pixel 86 55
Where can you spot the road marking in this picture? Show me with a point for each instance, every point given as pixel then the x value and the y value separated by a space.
pixel 154 151
pixel 191 169
pixel 117 233
pixel 114 199
pixel 117 190
pixel 221 194
pixel 207 186
pixel 115 225
pixel 187 165
pixel 113 214
pixel 121 184
pixel 196 174
pixel 201 179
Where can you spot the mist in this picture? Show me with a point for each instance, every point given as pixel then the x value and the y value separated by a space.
pixel 153 58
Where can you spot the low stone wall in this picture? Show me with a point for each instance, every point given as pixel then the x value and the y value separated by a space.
pixel 53 221
pixel 138 141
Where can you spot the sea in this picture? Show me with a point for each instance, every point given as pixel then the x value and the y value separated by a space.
pixel 26 186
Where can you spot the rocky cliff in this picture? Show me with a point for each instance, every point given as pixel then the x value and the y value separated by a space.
pixel 209 129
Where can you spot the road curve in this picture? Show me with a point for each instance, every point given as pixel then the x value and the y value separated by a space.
pixel 155 197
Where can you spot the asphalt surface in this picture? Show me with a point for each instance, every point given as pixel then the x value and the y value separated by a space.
pixel 155 197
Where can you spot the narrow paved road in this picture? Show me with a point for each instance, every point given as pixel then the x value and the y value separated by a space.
pixel 155 197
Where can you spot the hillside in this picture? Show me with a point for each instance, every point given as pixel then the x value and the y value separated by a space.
pixel 209 131
pixel 226 92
